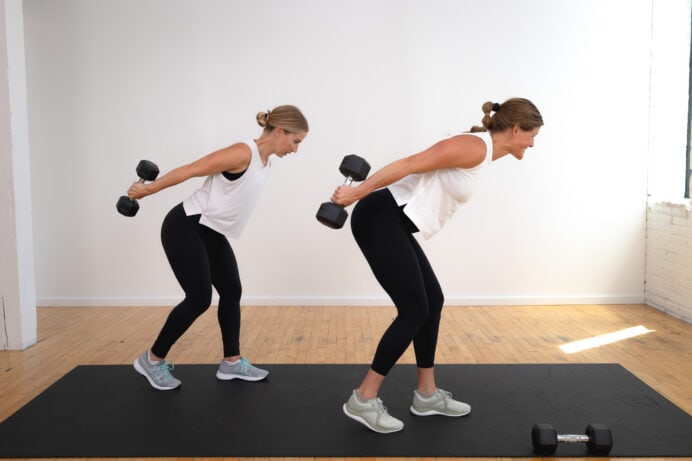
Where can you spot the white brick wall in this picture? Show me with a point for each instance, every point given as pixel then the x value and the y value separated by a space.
pixel 669 258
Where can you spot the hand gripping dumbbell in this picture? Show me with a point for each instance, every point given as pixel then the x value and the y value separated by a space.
pixel 147 171
pixel 598 439
pixel 355 169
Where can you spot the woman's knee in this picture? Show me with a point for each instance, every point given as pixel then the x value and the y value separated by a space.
pixel 231 294
pixel 227 283
pixel 198 301
pixel 435 302
pixel 415 318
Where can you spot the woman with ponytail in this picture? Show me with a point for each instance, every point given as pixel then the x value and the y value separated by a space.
pixel 419 193
pixel 195 237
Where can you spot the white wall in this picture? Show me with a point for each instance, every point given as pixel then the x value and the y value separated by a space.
pixel 111 82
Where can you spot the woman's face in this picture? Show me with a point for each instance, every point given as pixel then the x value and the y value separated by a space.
pixel 522 140
pixel 287 142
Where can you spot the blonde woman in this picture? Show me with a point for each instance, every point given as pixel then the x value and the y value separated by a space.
pixel 195 237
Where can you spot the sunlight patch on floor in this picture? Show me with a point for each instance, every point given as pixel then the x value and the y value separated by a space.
pixel 609 338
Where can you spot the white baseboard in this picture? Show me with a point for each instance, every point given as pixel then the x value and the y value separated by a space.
pixel 354 301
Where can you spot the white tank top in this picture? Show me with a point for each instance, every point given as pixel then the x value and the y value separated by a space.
pixel 432 198
pixel 226 205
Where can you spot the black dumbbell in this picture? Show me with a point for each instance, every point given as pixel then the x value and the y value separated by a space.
pixel 355 169
pixel 147 171
pixel 598 439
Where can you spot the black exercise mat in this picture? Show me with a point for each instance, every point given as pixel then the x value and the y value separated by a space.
pixel 110 411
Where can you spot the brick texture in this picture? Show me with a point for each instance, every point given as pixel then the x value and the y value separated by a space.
pixel 669 258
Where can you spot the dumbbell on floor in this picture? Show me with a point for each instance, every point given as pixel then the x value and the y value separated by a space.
pixel 597 437
pixel 147 171
pixel 354 168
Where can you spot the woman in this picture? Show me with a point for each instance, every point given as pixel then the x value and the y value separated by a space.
pixel 195 238
pixel 412 194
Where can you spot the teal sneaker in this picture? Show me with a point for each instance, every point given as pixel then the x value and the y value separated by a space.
pixel 157 373
pixel 441 403
pixel 242 369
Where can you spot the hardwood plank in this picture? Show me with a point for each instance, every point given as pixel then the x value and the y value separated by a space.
pixel 71 336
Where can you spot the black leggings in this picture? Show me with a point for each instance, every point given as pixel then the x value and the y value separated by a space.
pixel 200 257
pixel 385 236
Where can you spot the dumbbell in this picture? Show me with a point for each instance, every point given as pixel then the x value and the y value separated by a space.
pixel 147 171
pixel 598 439
pixel 355 169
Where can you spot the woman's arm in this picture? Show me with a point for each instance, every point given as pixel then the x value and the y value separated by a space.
pixel 456 152
pixel 235 159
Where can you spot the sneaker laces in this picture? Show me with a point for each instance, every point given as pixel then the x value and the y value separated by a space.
pixel 445 393
pixel 164 369
pixel 446 397
pixel 380 407
pixel 244 365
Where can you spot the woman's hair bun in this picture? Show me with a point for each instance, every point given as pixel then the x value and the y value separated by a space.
pixel 263 119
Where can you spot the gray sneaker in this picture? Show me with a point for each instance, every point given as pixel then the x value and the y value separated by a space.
pixel 441 403
pixel 242 369
pixel 158 374
pixel 371 413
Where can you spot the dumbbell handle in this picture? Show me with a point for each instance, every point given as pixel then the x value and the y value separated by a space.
pixel 573 438
pixel 140 180
pixel 347 182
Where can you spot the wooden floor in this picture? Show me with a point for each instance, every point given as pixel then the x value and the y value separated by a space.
pixel 528 334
